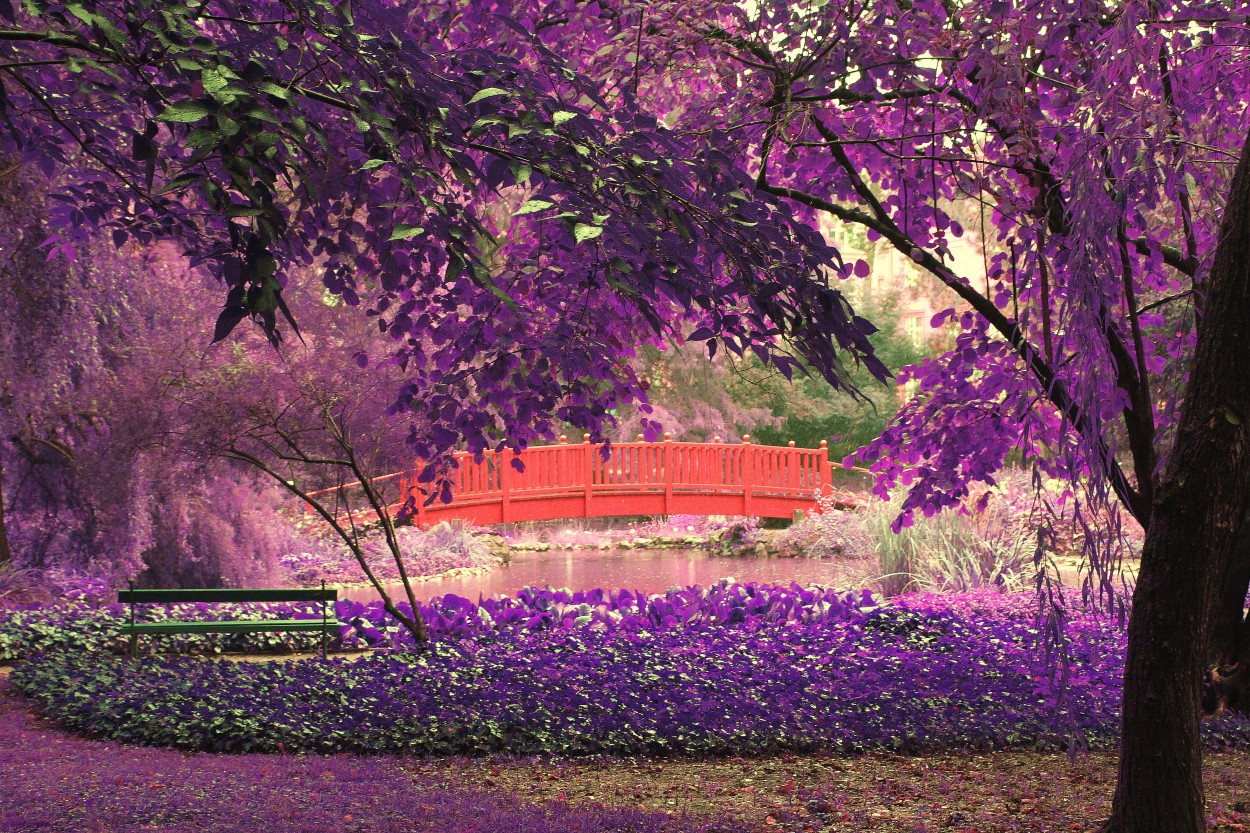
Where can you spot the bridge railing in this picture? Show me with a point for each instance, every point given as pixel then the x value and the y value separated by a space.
pixel 638 478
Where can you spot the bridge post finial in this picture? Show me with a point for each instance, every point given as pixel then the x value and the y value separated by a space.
pixel 640 438
pixel 716 439
pixel 586 438
pixel 564 440
pixel 746 439
pixel 790 444
pixel 824 443
pixel 668 437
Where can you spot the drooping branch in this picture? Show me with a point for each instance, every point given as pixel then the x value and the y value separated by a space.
pixel 1056 392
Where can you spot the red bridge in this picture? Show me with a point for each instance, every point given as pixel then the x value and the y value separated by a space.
pixel 639 478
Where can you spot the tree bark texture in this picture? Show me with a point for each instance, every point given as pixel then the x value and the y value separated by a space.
pixel 1228 653
pixel 1189 554
pixel 6 553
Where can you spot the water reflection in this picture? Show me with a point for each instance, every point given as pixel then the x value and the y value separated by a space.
pixel 648 571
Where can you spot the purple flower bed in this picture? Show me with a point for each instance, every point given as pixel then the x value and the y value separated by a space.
pixel 916 676
pixel 534 609
pixel 76 627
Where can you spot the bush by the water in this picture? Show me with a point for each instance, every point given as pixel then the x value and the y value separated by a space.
pixel 988 542
pixel 991 539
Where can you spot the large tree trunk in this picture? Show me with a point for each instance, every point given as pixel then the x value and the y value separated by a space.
pixel 1228 682
pixel 1159 784
pixel 6 554
pixel 1189 551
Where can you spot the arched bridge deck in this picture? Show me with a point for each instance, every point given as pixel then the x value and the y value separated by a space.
pixel 639 478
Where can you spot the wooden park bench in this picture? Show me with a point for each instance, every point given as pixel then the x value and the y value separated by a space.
pixel 327 622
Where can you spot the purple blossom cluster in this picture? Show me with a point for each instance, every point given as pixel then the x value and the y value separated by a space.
pixel 699 526
pixel 927 673
pixel 724 603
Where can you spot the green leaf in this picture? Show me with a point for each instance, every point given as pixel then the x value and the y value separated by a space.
pixel 561 116
pixel 266 138
pixel 179 183
pixel 585 231
pixel 486 121
pixel 488 92
pixel 275 90
pixel 530 206
pixel 372 163
pixel 184 112
pixel 202 137
pixel 214 81
pixel 507 300
pixel 403 231
pixel 80 12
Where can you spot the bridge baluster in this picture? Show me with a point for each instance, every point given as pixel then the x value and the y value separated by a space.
pixel 637 478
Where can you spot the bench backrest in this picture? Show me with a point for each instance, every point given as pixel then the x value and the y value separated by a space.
pixel 315 594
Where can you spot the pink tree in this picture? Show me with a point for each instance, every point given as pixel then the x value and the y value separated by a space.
pixel 313 421
pixel 89 353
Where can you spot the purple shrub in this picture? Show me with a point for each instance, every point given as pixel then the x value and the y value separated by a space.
pixel 450 617
pixel 225 532
pixel 735 670
pixel 829 533
pixel 535 609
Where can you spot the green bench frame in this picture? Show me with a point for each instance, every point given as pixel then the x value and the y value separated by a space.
pixel 133 629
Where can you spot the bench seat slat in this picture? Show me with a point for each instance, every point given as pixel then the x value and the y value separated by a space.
pixel 313 594
pixel 230 626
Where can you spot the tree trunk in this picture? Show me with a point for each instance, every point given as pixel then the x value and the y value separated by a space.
pixel 1159 784
pixel 1228 659
pixel 6 553
pixel 1228 620
pixel 1189 551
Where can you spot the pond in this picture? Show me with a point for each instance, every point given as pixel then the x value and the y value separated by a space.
pixel 645 570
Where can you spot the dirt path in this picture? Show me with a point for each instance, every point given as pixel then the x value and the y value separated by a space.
pixel 52 781
pixel 55 782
